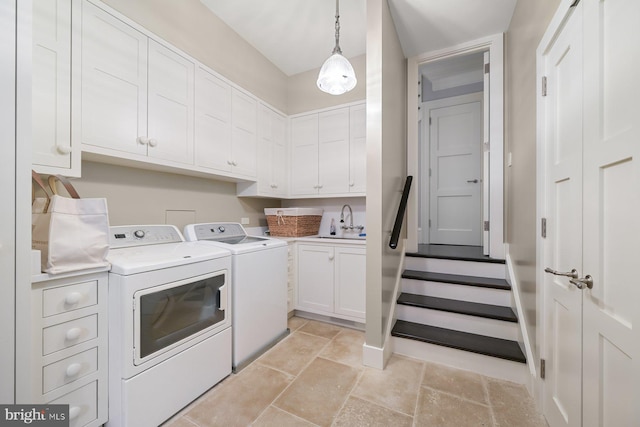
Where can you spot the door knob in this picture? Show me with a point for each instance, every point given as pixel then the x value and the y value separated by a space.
pixel 586 281
pixel 474 181
pixel 573 273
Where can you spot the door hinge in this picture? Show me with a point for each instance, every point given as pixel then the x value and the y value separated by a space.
pixel 543 369
pixel 544 86
pixel 429 171
pixel 429 223
pixel 486 226
pixel 429 120
pixel 543 228
pixel 486 68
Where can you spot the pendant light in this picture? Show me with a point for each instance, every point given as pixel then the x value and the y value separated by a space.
pixel 336 75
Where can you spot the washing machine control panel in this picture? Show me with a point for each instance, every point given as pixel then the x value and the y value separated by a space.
pixel 214 231
pixel 138 235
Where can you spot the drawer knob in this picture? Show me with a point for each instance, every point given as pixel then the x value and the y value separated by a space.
pixel 74 411
pixel 73 334
pixel 73 369
pixel 73 298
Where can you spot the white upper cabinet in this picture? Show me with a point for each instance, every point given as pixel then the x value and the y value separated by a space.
pixel 136 95
pixel 53 151
pixel 226 126
pixel 329 153
pixel 213 122
pixel 358 149
pixel 304 146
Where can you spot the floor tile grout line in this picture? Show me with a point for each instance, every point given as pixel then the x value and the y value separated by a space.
pixel 486 405
pixel 415 409
pixel 350 394
pixel 485 385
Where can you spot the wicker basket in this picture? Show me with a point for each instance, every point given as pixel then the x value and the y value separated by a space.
pixel 293 222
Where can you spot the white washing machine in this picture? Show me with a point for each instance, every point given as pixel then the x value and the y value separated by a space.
pixel 259 287
pixel 169 322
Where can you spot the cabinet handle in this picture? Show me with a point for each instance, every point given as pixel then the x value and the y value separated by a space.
pixel 143 140
pixel 331 257
pixel 73 334
pixel 351 184
pixel 229 162
pixel 73 298
pixel 63 149
pixel 73 370
pixel 74 411
pixel 234 163
pixel 153 142
pixel 320 186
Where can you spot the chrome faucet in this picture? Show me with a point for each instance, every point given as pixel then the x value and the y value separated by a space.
pixel 344 227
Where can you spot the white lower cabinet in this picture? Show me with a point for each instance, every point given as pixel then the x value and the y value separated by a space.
pixel 69 347
pixel 332 280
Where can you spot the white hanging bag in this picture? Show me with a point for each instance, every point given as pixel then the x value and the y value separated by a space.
pixel 71 233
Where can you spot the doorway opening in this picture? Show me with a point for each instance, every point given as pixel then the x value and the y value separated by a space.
pixel 468 82
pixel 453 186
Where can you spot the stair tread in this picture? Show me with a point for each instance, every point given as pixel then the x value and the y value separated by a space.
pixel 485 282
pixel 496 347
pixel 454 252
pixel 488 311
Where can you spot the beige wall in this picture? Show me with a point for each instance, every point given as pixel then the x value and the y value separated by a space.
pixel 191 26
pixel 528 24
pixel 137 196
pixel 386 162
pixel 303 94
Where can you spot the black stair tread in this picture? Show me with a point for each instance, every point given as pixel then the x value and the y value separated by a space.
pixel 488 311
pixel 484 282
pixel 454 252
pixel 496 347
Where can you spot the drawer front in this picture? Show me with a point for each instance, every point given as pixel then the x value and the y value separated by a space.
pixel 68 334
pixel 70 369
pixel 83 404
pixel 68 298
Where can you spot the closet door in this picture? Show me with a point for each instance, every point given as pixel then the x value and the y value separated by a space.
pixel 611 389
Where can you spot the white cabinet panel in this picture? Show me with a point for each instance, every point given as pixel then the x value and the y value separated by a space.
pixel 350 281
pixel 272 154
pixel 52 148
pixel 171 105
pixel 315 278
pixel 304 145
pixel 213 121
pixel 244 117
pixel 333 151
pixel 114 83
pixel 358 149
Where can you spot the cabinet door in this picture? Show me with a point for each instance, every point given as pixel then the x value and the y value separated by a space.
pixel 114 83
pixel 350 282
pixel 171 106
pixel 244 117
pixel 333 151
pixel 51 89
pixel 265 151
pixel 358 149
pixel 315 278
pixel 279 173
pixel 304 143
pixel 213 122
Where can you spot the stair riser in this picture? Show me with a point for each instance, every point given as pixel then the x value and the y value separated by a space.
pixel 478 363
pixel 457 292
pixel 459 322
pixel 448 266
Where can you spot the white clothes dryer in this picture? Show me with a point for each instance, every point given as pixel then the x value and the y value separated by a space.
pixel 169 322
pixel 259 286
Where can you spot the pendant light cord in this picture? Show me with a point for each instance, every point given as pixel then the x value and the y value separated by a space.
pixel 337 48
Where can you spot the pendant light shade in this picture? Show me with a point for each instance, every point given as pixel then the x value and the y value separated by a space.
pixel 336 75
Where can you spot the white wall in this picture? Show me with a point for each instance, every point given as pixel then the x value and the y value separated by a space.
pixel 530 20
pixel 386 163
pixel 332 209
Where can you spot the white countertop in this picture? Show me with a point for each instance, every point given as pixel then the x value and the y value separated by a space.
pixel 326 240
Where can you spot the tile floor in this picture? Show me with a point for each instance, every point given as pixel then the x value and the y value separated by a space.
pixel 314 377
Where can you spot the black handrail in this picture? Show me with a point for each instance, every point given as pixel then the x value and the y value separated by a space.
pixel 395 234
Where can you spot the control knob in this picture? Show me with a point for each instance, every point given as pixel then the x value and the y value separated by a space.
pixel 139 234
pixel 221 229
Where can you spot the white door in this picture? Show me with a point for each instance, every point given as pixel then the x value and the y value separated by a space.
pixel 593 374
pixel 244 124
pixel 611 206
pixel 333 151
pixel 171 105
pixel 486 126
pixel 304 159
pixel 279 154
pixel 455 137
pixel 315 278
pixel 350 282
pixel 563 249
pixel 114 82
pixel 358 148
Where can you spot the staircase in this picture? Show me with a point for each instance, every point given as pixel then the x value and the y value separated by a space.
pixel 455 309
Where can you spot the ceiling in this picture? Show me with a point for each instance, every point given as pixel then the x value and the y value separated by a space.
pixel 298 35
